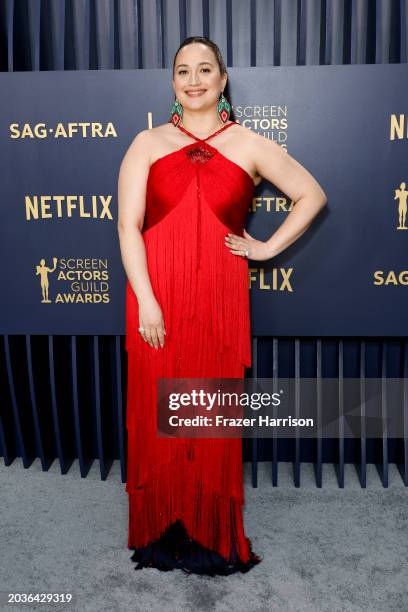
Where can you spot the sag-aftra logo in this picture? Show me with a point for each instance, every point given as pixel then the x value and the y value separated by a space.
pixel 83 129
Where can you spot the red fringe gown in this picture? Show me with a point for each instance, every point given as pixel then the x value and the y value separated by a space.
pixel 186 495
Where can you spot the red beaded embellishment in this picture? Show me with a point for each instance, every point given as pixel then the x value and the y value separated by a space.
pixel 199 153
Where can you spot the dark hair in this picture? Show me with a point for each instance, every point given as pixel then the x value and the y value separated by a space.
pixel 220 61
pixel 205 41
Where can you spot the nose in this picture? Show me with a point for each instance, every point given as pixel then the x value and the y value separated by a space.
pixel 194 80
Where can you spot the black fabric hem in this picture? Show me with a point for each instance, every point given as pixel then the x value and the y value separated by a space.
pixel 176 550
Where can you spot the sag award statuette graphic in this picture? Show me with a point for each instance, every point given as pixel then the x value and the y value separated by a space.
pixel 43 271
pixel 401 195
pixel 76 280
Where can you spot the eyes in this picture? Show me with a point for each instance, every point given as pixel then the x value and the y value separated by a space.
pixel 205 70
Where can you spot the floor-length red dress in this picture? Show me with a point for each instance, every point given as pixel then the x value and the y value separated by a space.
pixel 186 495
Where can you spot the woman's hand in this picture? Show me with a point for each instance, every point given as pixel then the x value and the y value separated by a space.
pixel 239 245
pixel 152 323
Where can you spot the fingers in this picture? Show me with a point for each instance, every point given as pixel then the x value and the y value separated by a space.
pixel 160 336
pixel 154 335
pixel 236 244
pixel 152 338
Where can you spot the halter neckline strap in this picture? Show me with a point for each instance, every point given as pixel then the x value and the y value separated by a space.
pixel 183 129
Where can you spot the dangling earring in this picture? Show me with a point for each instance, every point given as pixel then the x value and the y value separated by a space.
pixel 223 108
pixel 176 112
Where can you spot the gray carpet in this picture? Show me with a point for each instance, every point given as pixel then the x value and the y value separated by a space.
pixel 324 549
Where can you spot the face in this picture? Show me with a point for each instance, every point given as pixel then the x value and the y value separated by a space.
pixel 196 70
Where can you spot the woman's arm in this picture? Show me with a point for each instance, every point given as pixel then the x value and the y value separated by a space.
pixel 289 176
pixel 132 180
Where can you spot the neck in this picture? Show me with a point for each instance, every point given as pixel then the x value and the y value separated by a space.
pixel 201 125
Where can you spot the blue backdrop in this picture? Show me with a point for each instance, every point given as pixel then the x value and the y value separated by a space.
pixel 63 135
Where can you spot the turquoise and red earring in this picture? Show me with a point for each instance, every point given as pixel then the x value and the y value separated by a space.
pixel 176 112
pixel 223 108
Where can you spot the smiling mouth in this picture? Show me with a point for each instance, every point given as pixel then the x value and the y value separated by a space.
pixel 194 94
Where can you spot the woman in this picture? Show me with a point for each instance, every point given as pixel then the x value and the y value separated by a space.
pixel 184 192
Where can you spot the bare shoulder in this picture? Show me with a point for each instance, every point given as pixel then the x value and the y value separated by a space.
pixel 246 136
pixel 273 162
pixel 137 151
pixel 246 145
pixel 150 141
pixel 140 143
pixel 164 129
pixel 267 154
pixel 256 142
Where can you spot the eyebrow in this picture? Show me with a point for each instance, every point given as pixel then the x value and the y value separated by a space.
pixel 178 65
